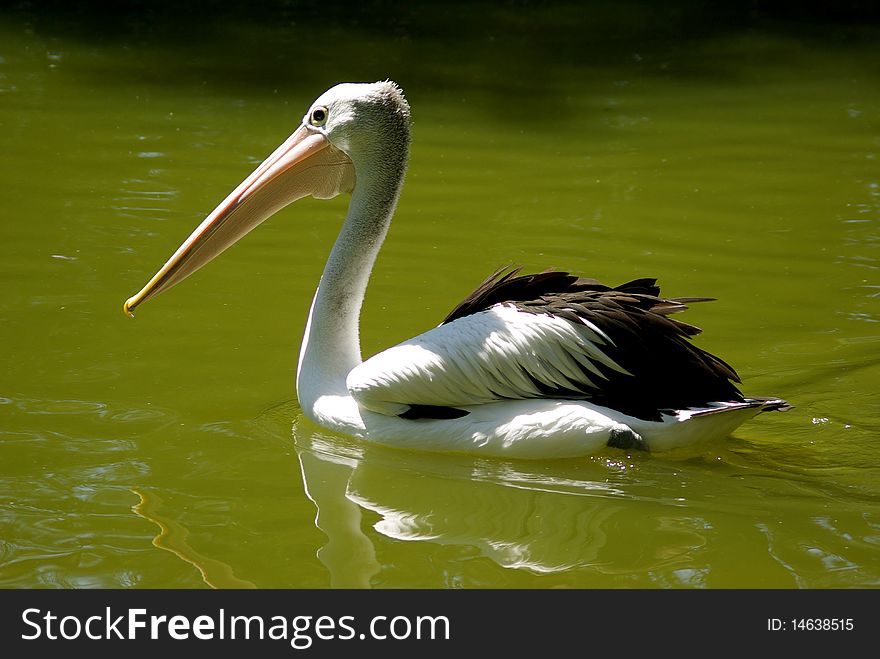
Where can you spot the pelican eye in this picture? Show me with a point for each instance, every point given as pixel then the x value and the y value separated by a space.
pixel 319 117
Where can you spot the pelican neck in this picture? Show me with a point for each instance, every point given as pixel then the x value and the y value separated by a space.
pixel 331 343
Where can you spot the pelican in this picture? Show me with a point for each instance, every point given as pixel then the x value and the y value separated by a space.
pixel 546 365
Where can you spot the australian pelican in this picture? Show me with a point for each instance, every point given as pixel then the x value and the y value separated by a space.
pixel 534 366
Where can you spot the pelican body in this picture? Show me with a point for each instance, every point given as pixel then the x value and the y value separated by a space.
pixel 531 366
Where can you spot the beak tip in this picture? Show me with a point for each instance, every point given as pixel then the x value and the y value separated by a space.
pixel 126 308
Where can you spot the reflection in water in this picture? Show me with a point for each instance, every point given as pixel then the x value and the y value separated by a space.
pixel 542 519
pixel 723 519
pixel 173 538
pixel 349 555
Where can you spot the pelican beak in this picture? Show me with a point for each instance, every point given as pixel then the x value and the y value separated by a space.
pixel 306 164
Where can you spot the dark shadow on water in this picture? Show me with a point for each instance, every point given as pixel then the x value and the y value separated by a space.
pixel 513 55
pixel 170 20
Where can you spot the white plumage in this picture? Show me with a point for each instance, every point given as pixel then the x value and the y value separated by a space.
pixel 492 355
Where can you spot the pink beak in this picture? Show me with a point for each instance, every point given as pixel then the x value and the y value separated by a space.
pixel 306 164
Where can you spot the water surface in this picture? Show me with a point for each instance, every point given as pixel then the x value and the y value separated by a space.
pixel 169 451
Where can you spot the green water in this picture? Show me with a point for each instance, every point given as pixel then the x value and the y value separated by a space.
pixel 169 451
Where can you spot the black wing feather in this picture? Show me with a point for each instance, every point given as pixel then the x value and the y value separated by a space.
pixel 667 370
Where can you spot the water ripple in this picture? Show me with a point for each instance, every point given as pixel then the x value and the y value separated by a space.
pixel 140 199
pixel 102 410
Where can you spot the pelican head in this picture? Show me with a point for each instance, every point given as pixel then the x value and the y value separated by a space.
pixel 352 132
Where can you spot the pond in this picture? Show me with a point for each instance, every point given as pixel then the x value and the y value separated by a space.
pixel 170 451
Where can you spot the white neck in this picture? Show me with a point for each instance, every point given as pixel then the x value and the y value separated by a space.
pixel 331 345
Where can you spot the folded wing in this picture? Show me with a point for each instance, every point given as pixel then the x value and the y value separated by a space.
pixel 549 335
